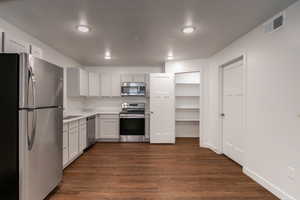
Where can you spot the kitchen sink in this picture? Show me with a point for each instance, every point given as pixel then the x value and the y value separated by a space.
pixel 71 117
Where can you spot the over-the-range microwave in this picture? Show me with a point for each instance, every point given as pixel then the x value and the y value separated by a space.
pixel 133 89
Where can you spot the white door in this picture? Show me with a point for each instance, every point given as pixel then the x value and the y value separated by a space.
pixel 162 108
pixel 233 112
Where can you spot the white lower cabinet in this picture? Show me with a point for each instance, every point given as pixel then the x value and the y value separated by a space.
pixel 65 144
pixel 82 135
pixel 73 140
pixel 108 127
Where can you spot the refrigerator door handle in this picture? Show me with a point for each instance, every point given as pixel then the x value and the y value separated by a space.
pixel 34 120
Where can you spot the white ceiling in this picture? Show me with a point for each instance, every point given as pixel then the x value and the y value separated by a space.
pixel 138 32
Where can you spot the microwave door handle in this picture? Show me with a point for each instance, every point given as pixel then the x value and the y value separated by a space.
pixel 32 109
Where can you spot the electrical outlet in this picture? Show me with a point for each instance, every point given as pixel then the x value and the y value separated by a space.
pixel 291 173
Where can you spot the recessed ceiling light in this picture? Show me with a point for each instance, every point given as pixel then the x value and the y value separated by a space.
pixel 107 56
pixel 170 57
pixel 188 29
pixel 83 28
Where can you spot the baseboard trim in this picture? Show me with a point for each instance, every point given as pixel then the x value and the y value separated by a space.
pixel 108 140
pixel 268 185
pixel 211 147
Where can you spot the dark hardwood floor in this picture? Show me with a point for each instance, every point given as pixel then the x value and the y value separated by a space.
pixel 125 171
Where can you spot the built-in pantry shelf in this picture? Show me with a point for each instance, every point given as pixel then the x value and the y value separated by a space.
pixel 187 95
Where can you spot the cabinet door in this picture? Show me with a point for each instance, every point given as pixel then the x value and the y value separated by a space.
pixel 94 87
pixel 126 78
pixel 116 85
pixel 73 143
pixel 65 145
pixel 83 83
pixel 139 78
pixel 13 45
pixel 82 137
pixel 105 85
pixel 147 85
pixel 109 128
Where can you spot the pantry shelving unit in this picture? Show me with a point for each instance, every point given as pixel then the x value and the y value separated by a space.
pixel 187 104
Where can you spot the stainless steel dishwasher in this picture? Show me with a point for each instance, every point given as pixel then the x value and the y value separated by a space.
pixel 91 131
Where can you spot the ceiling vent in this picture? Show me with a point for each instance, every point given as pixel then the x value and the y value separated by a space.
pixel 275 24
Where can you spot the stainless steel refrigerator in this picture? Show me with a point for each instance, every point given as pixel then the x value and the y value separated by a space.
pixel 31 127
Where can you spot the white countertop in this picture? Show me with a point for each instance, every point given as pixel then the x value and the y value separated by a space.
pixel 88 114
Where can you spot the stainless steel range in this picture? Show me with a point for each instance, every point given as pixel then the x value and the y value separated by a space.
pixel 132 122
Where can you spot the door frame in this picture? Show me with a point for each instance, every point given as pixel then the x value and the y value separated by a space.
pixel 201 105
pixel 221 67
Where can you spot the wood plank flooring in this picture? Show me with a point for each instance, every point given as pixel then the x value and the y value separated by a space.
pixel 125 171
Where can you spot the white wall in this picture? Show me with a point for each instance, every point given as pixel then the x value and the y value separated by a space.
pixel 49 54
pixel 272 135
pixel 185 65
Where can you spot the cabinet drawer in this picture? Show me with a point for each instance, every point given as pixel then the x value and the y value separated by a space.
pixel 109 116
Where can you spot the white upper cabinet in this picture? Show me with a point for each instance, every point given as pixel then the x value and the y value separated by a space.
pixel 105 84
pixel 133 77
pixel 139 78
pixel 77 82
pixel 94 84
pixel 115 85
pixel 110 85
pixel 126 78
pixel 14 45
pixel 36 51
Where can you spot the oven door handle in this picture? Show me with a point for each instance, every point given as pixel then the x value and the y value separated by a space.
pixel 132 117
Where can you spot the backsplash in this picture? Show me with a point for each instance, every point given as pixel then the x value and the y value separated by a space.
pixel 83 104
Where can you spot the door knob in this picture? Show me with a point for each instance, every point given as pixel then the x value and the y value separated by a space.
pixel 222 114
pixel 152 112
